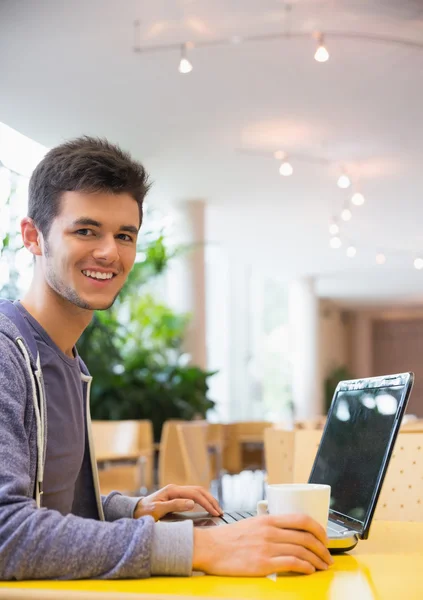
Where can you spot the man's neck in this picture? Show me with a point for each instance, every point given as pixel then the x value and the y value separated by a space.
pixel 63 321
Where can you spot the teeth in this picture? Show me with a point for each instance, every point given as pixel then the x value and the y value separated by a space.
pixel 97 274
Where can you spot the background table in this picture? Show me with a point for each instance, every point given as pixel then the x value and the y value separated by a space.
pixel 387 566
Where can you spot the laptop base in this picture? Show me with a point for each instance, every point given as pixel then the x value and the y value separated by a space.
pixel 339 541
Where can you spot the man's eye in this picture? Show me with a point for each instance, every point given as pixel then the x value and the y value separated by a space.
pixel 125 237
pixel 85 232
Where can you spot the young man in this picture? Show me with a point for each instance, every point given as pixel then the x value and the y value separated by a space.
pixel 85 211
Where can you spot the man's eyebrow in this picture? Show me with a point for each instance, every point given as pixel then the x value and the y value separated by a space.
pixel 129 229
pixel 84 221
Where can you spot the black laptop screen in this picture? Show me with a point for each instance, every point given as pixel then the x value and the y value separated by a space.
pixel 354 445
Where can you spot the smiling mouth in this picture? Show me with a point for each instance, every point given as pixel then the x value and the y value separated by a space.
pixel 97 275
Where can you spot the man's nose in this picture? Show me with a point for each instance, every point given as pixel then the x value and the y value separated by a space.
pixel 106 249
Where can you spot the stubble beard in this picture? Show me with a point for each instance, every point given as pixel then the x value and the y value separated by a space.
pixel 66 292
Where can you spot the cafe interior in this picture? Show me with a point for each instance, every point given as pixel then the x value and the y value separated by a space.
pixel 281 252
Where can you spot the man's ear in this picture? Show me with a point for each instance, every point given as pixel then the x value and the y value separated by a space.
pixel 31 236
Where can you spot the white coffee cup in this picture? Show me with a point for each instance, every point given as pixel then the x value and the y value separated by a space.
pixel 310 499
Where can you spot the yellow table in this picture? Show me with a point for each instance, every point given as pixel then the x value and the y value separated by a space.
pixel 387 566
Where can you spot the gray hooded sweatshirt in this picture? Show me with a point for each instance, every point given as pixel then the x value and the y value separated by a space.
pixel 99 539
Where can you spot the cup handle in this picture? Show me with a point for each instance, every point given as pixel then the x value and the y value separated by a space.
pixel 262 507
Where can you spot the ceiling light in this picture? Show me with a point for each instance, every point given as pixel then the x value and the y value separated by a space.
pixel 333 228
pixel 346 214
pixel 344 181
pixel 351 251
pixel 321 55
pixel 184 65
pixel 380 258
pixel 418 263
pixel 286 169
pixel 335 242
pixel 357 199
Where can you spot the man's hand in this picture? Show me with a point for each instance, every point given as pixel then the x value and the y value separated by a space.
pixel 261 546
pixel 175 498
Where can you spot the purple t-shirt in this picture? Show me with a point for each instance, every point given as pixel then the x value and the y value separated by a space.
pixel 65 417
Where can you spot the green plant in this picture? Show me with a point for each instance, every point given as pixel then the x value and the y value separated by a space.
pixel 138 366
pixel 338 373
pixel 10 244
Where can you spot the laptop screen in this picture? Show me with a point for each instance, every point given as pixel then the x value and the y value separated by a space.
pixel 356 442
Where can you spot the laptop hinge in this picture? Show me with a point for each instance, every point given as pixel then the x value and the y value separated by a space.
pixel 345 521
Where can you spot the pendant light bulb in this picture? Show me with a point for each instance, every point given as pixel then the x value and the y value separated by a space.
pixel 321 55
pixel 286 169
pixel 184 65
pixel 358 199
pixel 335 242
pixel 344 181
pixel 346 214
pixel 333 228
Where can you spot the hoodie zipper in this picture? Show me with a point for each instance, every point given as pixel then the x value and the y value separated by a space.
pixel 38 403
pixel 88 379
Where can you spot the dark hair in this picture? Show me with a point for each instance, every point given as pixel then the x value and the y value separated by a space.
pixel 84 164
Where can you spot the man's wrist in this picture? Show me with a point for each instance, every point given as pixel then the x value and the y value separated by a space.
pixel 202 547
pixel 139 509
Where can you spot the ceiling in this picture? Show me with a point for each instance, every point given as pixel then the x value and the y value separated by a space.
pixel 69 68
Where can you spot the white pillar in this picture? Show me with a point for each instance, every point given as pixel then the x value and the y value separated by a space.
pixel 186 277
pixel 303 318
pixel 239 344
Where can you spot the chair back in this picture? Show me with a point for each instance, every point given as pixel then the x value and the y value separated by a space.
pixel 401 498
pixel 115 439
pixel 306 445
pixel 243 445
pixel 193 442
pixel 125 454
pixel 289 455
pixel 215 435
pixel 415 426
pixel 318 422
pixel 171 466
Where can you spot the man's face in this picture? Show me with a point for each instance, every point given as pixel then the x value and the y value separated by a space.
pixel 90 248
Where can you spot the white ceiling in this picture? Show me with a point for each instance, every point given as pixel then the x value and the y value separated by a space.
pixel 68 68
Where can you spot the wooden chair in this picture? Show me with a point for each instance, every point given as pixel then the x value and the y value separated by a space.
pixel 401 498
pixel 318 422
pixel 194 450
pixel 124 454
pixel 184 458
pixel 231 458
pixel 171 468
pixel 289 455
pixel 415 426
pixel 244 445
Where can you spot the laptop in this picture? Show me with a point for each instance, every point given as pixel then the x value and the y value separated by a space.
pixel 353 456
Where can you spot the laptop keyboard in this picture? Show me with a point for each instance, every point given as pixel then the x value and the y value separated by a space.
pixel 233 517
